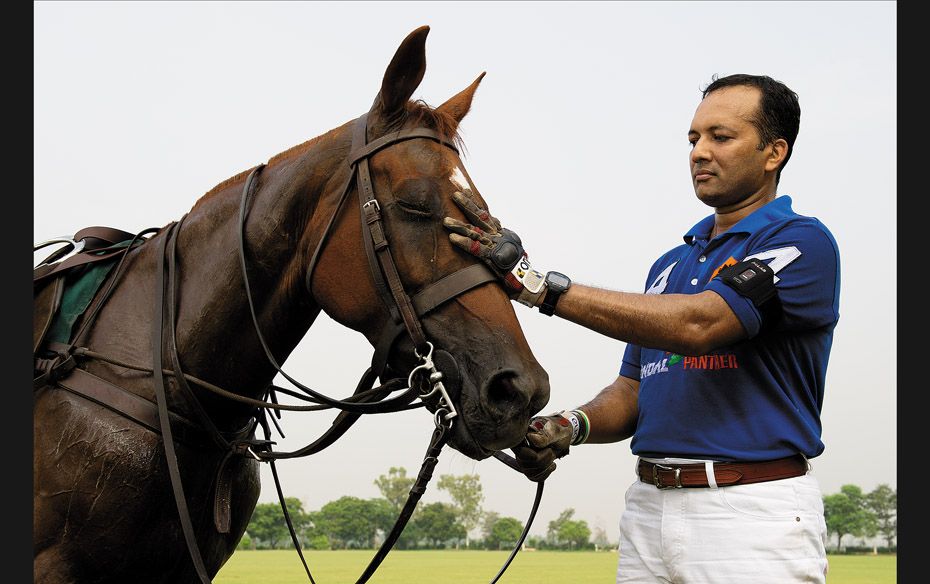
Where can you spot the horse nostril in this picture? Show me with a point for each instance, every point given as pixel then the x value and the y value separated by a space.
pixel 506 394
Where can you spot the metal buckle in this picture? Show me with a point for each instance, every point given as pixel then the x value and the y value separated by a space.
pixel 655 477
pixel 372 202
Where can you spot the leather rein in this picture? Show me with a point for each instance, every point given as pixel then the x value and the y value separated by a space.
pixel 405 313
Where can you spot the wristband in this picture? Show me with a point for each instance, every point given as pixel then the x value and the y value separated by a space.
pixel 573 420
pixel 529 281
pixel 584 427
pixel 581 426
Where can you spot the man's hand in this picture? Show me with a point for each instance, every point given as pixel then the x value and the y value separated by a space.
pixel 499 248
pixel 547 439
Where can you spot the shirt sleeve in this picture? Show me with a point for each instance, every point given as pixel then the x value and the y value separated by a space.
pixel 806 262
pixel 630 365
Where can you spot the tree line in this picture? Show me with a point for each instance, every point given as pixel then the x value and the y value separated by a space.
pixel 351 522
pixel 859 514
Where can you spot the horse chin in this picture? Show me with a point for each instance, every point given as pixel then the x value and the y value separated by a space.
pixel 464 442
pixel 476 435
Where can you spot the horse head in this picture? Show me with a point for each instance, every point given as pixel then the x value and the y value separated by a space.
pixel 487 365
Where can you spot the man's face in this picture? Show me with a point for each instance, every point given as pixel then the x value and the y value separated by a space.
pixel 726 165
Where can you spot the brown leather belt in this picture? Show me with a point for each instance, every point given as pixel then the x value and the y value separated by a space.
pixel 678 476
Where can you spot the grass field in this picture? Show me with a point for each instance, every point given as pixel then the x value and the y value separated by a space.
pixel 480 567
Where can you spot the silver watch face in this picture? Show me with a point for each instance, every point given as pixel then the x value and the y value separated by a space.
pixel 557 280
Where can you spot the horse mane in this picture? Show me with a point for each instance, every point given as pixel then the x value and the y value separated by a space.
pixel 419 111
pixel 241 176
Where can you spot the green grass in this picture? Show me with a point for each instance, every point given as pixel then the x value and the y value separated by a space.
pixel 480 567
pixel 881 569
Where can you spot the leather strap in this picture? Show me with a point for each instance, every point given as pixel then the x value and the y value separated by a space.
pixel 375 236
pixel 106 235
pixel 448 287
pixel 437 293
pixel 129 405
pixel 364 150
pixel 376 240
pixel 438 440
pixel 677 476
pixel 164 419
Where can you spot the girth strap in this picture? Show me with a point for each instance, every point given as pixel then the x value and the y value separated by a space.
pixel 132 406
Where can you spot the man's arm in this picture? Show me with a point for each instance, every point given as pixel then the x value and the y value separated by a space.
pixel 690 324
pixel 612 416
pixel 613 411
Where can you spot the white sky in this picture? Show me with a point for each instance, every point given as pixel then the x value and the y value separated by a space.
pixel 576 138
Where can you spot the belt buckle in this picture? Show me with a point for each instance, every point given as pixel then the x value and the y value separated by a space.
pixel 655 477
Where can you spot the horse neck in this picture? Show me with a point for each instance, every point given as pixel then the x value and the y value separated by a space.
pixel 215 332
pixel 283 215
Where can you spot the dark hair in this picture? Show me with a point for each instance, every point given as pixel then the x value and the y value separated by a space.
pixel 779 114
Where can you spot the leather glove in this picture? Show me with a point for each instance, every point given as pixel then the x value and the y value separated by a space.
pixel 547 439
pixel 500 248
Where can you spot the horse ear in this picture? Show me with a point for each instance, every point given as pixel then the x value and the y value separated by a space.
pixel 404 73
pixel 458 105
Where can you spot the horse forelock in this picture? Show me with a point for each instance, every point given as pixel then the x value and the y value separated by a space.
pixel 422 114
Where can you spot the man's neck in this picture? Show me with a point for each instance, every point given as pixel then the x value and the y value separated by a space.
pixel 727 217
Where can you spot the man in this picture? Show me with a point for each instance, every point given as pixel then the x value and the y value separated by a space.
pixel 722 381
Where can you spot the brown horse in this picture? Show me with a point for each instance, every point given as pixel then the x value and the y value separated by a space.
pixel 103 504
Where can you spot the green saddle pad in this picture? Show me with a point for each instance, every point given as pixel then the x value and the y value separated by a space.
pixel 80 289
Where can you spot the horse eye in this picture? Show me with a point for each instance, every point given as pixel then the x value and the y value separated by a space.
pixel 418 197
pixel 419 209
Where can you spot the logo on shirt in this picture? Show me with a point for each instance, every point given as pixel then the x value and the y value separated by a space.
pixel 731 261
pixel 702 362
pixel 724 361
pixel 660 366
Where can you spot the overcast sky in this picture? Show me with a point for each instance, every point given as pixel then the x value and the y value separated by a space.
pixel 577 138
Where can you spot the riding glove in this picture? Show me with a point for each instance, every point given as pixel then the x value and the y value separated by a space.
pixel 547 438
pixel 499 247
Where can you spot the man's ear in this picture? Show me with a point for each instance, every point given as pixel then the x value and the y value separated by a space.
pixel 780 150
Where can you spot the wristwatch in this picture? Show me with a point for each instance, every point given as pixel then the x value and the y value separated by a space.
pixel 556 284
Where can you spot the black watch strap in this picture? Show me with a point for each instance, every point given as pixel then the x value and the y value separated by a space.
pixel 556 284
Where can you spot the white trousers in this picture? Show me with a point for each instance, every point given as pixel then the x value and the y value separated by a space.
pixel 765 533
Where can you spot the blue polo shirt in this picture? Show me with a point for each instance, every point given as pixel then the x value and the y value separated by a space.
pixel 760 398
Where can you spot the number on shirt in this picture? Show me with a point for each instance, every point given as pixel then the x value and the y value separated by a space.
pixel 780 257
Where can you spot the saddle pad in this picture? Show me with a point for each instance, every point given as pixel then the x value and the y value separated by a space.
pixel 80 289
